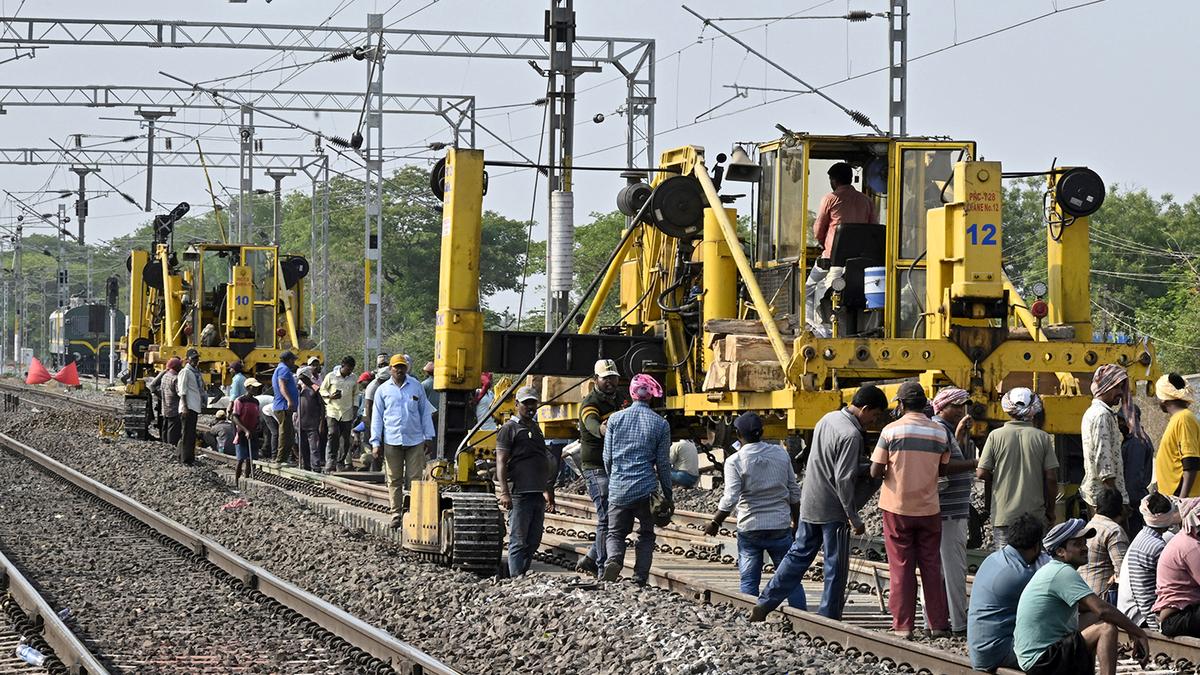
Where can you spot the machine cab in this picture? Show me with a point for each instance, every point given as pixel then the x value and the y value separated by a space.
pixel 880 266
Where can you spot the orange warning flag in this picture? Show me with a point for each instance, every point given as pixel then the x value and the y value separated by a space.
pixel 69 375
pixel 37 373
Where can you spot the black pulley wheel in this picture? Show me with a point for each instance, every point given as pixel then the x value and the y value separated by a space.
pixel 294 268
pixel 437 179
pixel 1079 192
pixel 677 207
pixel 632 197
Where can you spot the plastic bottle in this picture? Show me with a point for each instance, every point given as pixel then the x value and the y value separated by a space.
pixel 30 655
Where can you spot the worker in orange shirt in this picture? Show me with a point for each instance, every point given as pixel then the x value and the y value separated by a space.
pixel 843 205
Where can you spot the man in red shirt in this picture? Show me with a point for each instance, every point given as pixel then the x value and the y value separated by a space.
pixel 843 205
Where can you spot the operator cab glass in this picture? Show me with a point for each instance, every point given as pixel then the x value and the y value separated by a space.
pixel 795 181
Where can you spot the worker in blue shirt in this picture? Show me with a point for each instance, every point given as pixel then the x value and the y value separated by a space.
pixel 401 431
pixel 287 398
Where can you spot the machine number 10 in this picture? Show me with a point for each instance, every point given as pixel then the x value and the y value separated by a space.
pixel 974 230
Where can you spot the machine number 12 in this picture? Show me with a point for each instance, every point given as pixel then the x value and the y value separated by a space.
pixel 987 230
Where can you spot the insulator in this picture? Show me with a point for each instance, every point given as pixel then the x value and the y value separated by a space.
pixel 858 15
pixel 860 118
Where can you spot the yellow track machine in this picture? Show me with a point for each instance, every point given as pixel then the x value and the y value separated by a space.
pixel 228 301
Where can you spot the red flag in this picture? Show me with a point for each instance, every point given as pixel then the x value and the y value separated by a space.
pixel 37 373
pixel 69 375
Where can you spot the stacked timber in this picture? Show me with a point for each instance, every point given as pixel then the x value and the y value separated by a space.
pixel 743 358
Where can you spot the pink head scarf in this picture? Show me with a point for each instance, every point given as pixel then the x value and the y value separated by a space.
pixel 644 388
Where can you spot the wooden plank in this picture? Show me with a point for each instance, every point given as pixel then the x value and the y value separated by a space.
pixel 749 348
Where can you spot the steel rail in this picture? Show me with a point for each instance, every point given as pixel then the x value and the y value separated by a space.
pixel 68 648
pixel 368 638
pixel 1182 652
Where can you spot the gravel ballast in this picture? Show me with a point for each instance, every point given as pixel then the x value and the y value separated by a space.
pixel 536 624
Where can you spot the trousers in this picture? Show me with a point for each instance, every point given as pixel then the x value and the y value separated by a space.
pixel 187 440
pixel 286 437
pixel 171 428
pixel 914 542
pixel 597 487
pixel 833 539
pixel 312 453
pixel 620 525
pixel 270 437
pixel 402 464
pixel 525 523
pixel 336 453
pixel 953 553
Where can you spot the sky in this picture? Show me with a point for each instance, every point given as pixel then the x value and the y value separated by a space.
pixel 1104 85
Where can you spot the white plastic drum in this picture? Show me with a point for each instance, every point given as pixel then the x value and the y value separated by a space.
pixel 875 286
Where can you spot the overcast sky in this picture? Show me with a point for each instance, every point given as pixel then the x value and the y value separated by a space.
pixel 1103 85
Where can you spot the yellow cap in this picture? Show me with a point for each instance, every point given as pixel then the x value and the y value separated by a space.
pixel 398 360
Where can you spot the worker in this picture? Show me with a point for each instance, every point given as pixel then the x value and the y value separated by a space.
pixel 382 360
pixel 759 480
pixel 484 398
pixel 997 589
pixel 1102 462
pixel 1107 549
pixel 246 414
pixel 314 363
pixel 190 387
pixel 401 431
pixel 268 425
pixel 525 472
pixel 1062 626
pixel 219 437
pixel 434 396
pixel 685 464
pixel 637 448
pixel 172 423
pixel 912 452
pixel 1137 455
pixel 1018 466
pixel 338 390
pixel 237 385
pixel 1139 570
pixel 287 398
pixel 954 500
pixel 1178 458
pixel 310 417
pixel 843 205
pixel 604 400
pixel 1177 590
pixel 827 507
pixel 368 405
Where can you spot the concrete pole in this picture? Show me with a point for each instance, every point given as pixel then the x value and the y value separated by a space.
pixel 245 224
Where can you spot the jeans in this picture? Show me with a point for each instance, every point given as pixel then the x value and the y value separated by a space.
pixel 311 451
pixel 187 441
pixel 751 546
pixel 286 436
pixel 684 478
pixel 597 487
pixel 336 453
pixel 620 525
pixel 525 523
pixel 833 539
pixel 912 542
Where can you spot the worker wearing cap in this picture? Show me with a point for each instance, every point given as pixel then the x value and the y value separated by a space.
pixel 1018 466
pixel 525 472
pixel 594 411
pixel 168 401
pixel 338 389
pixel 1054 605
pixel 1103 465
pixel 190 387
pixel 912 452
pixel 401 431
pixel 314 365
pixel 287 398
pixel 246 413
pixel 1178 458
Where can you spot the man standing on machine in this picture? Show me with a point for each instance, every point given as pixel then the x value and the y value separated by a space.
pixel 843 205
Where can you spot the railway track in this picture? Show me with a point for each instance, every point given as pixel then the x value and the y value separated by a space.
pixel 681 567
pixel 142 563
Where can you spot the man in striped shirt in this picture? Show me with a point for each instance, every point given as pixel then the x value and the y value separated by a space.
pixel 912 452
pixel 954 496
pixel 1139 569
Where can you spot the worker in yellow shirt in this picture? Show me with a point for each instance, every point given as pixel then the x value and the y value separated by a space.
pixel 1178 459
